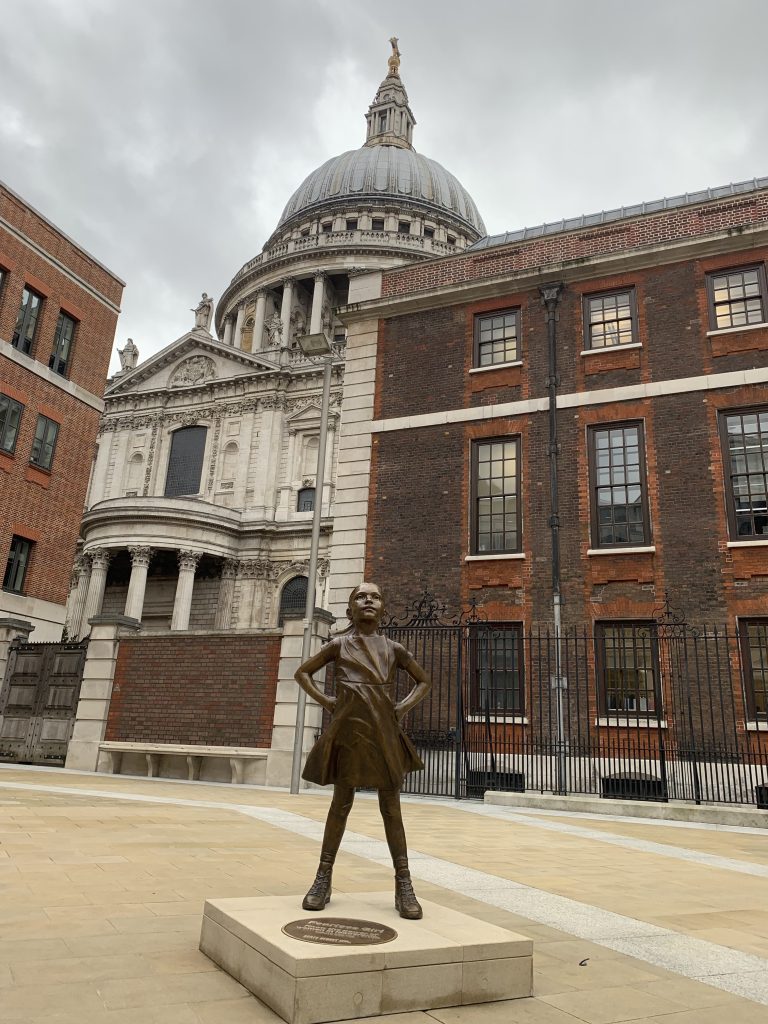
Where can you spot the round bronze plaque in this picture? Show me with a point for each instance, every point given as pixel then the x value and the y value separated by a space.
pixel 339 931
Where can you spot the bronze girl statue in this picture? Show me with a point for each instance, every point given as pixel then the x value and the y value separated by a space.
pixel 364 744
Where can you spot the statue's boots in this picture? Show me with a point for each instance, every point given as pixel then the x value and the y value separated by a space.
pixel 320 891
pixel 406 903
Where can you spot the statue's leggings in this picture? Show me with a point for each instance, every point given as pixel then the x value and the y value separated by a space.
pixel 341 805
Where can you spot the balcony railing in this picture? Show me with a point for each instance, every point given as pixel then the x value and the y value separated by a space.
pixel 336 239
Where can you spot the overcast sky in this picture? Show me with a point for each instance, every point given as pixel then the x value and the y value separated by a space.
pixel 165 136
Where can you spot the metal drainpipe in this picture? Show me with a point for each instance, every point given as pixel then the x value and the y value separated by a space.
pixel 550 296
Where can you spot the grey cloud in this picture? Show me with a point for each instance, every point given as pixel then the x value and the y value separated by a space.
pixel 167 136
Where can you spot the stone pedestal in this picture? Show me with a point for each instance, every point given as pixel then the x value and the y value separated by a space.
pixel 446 959
pixel 96 690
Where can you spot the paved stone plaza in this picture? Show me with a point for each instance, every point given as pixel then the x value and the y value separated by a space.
pixel 102 883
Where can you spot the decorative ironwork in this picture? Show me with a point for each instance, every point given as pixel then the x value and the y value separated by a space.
pixel 427 610
pixel 669 623
pixel 424 610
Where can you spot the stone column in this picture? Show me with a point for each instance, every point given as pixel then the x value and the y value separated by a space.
pixel 258 320
pixel 76 602
pixel 100 559
pixel 227 330
pixel 327 496
pixel 280 755
pixel 238 338
pixel 11 629
pixel 318 298
pixel 223 618
pixel 285 311
pixel 96 690
pixel 98 488
pixel 182 604
pixel 134 602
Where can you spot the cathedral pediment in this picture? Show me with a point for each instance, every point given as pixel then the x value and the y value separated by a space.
pixel 306 416
pixel 193 360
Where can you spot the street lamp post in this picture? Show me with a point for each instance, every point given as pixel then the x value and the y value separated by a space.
pixel 312 345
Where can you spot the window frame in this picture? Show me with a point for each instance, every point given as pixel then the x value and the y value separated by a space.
pixel 730 497
pixel 585 305
pixel 657 715
pixel 18 338
pixel 351 223
pixel 763 284
pixel 478 633
pixel 747 669
pixel 11 568
pixel 4 423
pixel 594 524
pixel 301 495
pixel 476 444
pixel 54 357
pixel 40 442
pixel 404 227
pixel 375 221
pixel 174 434
pixel 476 330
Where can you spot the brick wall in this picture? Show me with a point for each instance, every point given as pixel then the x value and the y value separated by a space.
pixel 46 507
pixel 418 527
pixel 217 690
pixel 92 346
pixel 586 243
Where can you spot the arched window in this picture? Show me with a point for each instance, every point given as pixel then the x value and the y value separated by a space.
pixel 185 465
pixel 135 474
pixel 229 462
pixel 309 460
pixel 246 335
pixel 306 500
pixel 293 597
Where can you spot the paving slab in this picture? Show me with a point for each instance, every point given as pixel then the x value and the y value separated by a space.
pixel 124 866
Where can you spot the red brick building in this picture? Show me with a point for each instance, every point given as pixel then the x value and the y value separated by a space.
pixel 58 311
pixel 567 425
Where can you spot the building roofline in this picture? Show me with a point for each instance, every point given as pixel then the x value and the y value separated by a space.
pixel 591 220
pixel 63 234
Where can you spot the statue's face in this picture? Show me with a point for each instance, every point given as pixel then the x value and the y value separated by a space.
pixel 366 604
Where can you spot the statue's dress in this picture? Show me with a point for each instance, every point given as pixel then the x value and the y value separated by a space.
pixel 364 744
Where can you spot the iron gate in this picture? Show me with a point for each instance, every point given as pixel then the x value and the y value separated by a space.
pixel 38 701
pixel 655 710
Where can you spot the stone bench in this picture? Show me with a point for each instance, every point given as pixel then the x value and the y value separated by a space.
pixel 237 756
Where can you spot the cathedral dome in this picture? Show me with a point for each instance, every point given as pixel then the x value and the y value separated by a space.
pixel 388 173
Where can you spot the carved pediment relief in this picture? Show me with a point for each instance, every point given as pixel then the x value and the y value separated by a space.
pixel 195 370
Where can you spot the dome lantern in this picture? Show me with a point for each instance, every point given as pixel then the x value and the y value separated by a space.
pixel 390 118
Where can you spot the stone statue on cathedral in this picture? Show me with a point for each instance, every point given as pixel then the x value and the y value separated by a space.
pixel 204 313
pixel 394 60
pixel 129 356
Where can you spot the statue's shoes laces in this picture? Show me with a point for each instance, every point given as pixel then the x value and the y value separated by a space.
pixel 406 903
pixel 319 892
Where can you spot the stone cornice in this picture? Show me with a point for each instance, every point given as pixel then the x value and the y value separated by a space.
pixel 142 416
pixel 477 288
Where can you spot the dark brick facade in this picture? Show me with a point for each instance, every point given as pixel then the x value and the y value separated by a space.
pixel 587 243
pixel 46 507
pixel 216 690
pixel 418 528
